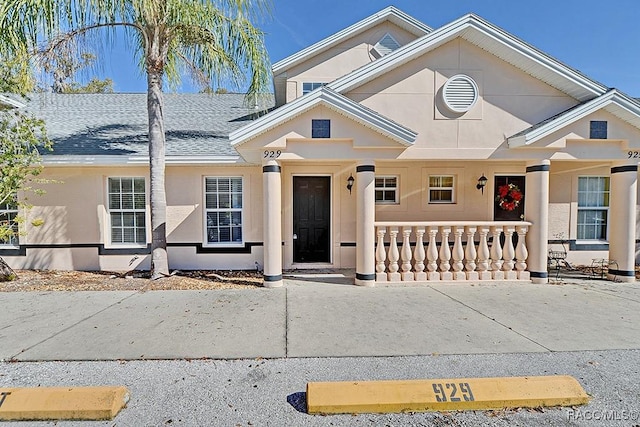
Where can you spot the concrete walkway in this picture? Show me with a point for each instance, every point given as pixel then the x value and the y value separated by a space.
pixel 309 318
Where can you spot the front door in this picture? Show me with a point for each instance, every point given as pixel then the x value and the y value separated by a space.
pixel 508 196
pixel 311 212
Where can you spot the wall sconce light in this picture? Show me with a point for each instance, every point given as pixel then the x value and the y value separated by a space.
pixel 482 181
pixel 350 182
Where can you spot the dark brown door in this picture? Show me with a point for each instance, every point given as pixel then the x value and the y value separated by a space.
pixel 508 212
pixel 311 211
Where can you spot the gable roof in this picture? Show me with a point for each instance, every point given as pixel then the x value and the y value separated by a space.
pixel 614 101
pixel 390 13
pixel 490 38
pixel 333 100
pixel 113 128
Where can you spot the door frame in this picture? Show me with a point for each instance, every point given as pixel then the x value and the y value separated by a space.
pixel 507 175
pixel 289 233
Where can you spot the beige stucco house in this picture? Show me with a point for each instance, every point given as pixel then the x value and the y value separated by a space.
pixel 408 153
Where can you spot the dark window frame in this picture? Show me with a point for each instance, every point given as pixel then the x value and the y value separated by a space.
pixel 598 129
pixel 320 128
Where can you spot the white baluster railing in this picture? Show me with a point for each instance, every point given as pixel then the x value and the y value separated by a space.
pixel 492 257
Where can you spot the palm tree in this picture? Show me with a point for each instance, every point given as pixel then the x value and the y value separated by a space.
pixel 214 40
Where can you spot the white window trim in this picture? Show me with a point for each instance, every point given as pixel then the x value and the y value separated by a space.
pixel 452 188
pixel 205 210
pixel 396 188
pixel 315 86
pixel 108 239
pixel 378 47
pixel 593 208
pixel 17 237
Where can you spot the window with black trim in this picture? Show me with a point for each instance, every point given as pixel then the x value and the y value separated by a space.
pixel 593 207
pixel 223 210
pixel 598 129
pixel 127 210
pixel 386 189
pixel 8 224
pixel 441 189
pixel 320 128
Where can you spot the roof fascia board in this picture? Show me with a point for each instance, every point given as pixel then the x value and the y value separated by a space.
pixel 575 114
pixel 536 55
pixel 390 13
pixel 333 100
pixel 5 100
pixel 450 31
pixel 71 160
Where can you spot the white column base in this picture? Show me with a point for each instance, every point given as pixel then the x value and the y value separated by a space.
pixel 408 277
pixel 473 275
pixel 446 275
pixel 459 275
pixel 433 275
pixel 365 283
pixel 485 275
pixel 421 277
pixel 394 277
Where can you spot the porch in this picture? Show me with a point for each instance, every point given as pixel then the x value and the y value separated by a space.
pixel 423 251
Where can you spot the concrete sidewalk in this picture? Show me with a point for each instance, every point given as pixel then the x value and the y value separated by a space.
pixel 307 318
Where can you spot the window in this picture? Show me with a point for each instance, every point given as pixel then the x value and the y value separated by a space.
pixel 593 207
pixel 386 189
pixel 310 87
pixel 386 45
pixel 127 211
pixel 441 189
pixel 597 129
pixel 320 128
pixel 8 214
pixel 223 204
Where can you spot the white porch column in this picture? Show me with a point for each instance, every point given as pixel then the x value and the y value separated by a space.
pixel 622 221
pixel 536 210
pixel 365 219
pixel 272 223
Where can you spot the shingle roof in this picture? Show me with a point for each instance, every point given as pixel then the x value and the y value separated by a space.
pixel 117 125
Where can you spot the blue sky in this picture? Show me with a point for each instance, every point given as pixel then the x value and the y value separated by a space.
pixel 599 38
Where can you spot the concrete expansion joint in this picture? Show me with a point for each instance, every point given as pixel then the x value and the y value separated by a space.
pixel 492 319
pixel 63 330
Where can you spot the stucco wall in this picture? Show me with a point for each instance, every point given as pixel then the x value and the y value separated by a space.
pixel 342 58
pixel 509 100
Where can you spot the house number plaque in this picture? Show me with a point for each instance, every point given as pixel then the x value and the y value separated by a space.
pixel 272 154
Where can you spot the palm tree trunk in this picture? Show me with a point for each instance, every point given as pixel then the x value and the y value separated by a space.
pixel 158 198
pixel 6 273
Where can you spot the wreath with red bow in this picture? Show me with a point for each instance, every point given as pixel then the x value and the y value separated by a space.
pixel 509 196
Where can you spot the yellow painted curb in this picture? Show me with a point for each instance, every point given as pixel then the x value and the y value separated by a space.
pixel 443 394
pixel 62 403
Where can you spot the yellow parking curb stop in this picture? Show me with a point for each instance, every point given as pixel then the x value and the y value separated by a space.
pixel 443 394
pixel 62 403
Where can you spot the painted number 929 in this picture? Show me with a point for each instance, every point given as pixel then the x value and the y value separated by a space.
pixel 452 392
pixel 634 154
pixel 270 154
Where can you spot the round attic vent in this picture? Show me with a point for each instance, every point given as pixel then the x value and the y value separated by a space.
pixel 460 93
